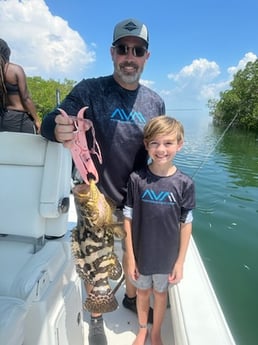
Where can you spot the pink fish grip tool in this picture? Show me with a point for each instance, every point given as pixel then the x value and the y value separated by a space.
pixel 80 152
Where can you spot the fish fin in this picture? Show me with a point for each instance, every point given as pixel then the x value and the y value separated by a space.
pixel 115 271
pixel 75 244
pixel 118 231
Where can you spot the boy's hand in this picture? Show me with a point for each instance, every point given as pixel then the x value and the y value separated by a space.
pixel 177 274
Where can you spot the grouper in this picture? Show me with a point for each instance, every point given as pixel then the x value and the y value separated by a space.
pixel 93 246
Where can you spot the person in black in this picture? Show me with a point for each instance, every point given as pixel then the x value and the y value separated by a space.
pixel 119 107
pixel 158 223
pixel 17 110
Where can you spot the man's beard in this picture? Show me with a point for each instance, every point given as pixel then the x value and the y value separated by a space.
pixel 128 78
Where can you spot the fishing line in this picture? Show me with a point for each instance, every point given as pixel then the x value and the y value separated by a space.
pixel 216 144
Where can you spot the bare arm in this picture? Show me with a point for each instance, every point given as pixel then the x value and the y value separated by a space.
pixel 131 264
pixel 25 97
pixel 185 235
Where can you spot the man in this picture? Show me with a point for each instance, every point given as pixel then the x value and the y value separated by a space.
pixel 119 107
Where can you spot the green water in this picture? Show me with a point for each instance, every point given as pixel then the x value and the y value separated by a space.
pixel 225 170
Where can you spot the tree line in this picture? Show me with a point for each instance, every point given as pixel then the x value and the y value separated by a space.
pixel 238 105
pixel 46 94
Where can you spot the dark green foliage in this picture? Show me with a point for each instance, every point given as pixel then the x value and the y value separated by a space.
pixel 43 93
pixel 240 102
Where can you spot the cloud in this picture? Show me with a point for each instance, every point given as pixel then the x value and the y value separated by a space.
pixel 200 70
pixel 191 85
pixel 198 82
pixel 148 83
pixel 42 43
pixel 242 63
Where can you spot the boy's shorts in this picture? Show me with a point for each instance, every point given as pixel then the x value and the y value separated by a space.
pixel 158 282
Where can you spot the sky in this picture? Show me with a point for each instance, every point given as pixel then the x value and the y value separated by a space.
pixel 196 47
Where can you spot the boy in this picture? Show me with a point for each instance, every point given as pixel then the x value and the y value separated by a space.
pixel 158 222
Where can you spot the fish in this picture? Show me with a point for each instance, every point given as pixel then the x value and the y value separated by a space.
pixel 93 246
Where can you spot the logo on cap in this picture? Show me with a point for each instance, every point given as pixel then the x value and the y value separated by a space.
pixel 130 26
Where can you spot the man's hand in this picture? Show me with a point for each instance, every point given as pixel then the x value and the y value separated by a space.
pixel 64 130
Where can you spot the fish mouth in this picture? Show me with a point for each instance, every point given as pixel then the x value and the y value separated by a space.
pixel 81 189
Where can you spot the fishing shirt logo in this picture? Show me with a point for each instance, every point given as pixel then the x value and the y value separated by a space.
pixel 158 198
pixel 133 117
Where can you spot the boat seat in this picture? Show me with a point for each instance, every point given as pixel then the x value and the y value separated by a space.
pixel 13 313
pixel 27 277
pixel 27 274
pixel 35 177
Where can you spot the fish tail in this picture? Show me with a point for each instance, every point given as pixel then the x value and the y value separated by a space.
pixel 98 303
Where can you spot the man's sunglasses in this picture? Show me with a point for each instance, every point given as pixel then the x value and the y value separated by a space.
pixel 123 49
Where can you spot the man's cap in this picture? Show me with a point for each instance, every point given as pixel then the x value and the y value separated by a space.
pixel 130 27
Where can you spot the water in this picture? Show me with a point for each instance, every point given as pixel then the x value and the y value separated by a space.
pixel 225 170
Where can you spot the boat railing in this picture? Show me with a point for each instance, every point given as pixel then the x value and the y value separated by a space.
pixel 197 316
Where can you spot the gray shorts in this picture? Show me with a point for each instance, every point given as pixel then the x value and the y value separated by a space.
pixel 17 121
pixel 158 282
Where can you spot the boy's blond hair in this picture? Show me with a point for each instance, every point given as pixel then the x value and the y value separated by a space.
pixel 163 125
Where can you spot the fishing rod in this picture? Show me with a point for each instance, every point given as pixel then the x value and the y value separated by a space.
pixel 120 282
pixel 216 144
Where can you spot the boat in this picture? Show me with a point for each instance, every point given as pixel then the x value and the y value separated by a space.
pixel 41 295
